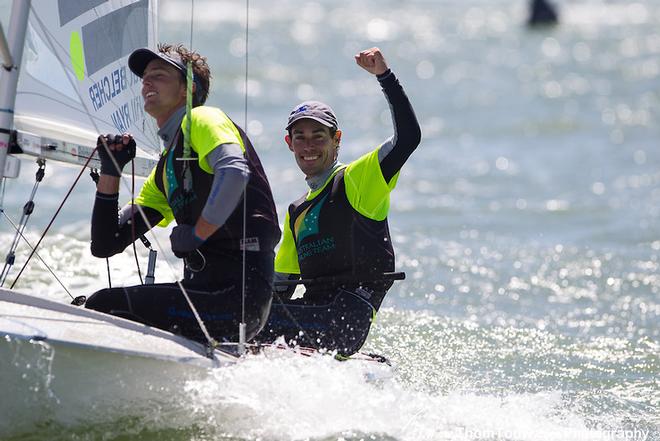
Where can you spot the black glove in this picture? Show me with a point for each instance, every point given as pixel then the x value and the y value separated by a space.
pixel 123 156
pixel 184 240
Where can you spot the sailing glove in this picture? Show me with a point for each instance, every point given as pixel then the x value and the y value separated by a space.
pixel 184 240
pixel 123 156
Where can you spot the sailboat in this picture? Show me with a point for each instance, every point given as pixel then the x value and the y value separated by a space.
pixel 74 84
pixel 67 80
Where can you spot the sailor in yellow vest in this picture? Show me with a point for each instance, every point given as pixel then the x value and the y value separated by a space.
pixel 202 190
pixel 339 227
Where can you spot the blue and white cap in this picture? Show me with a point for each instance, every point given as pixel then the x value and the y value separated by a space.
pixel 315 110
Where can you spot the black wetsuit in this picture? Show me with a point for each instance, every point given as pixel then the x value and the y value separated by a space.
pixel 212 275
pixel 341 241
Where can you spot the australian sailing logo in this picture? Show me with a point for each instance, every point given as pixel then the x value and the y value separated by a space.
pixel 306 226
pixel 307 223
pixel 180 200
pixel 177 197
pixel 315 247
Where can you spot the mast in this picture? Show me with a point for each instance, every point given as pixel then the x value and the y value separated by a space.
pixel 9 77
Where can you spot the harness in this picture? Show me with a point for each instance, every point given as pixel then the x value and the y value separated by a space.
pixel 333 239
pixel 187 186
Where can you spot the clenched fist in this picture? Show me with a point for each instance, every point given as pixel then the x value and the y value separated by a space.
pixel 372 61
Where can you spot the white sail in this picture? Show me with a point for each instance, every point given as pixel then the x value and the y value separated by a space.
pixel 74 80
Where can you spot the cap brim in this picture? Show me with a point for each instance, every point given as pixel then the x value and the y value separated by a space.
pixel 295 120
pixel 140 59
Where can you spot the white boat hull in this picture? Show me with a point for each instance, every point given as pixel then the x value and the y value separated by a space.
pixel 64 363
pixel 69 365
pixel 30 318
pixel 70 385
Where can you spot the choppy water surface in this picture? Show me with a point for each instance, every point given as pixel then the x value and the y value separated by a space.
pixel 527 223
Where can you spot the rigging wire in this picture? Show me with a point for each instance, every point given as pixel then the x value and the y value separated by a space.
pixel 241 329
pixel 52 43
pixel 301 330
pixel 3 185
pixel 107 266
pixel 245 126
pixel 35 252
pixel 94 174
pixel 137 261
pixel 244 247
pixel 57 212
pixel 28 209
pixel 212 343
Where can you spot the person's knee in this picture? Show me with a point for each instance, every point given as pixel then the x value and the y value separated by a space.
pixel 106 300
pixel 97 301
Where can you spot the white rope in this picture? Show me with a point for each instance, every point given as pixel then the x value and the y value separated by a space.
pixel 211 341
pixel 242 325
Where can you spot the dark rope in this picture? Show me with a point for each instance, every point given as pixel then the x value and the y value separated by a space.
pixel 137 261
pixel 82 170
pixel 107 265
pixel 38 256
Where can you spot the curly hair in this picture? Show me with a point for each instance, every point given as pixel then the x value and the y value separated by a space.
pixel 201 70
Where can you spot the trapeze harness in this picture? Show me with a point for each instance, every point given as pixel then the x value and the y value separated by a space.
pixel 336 241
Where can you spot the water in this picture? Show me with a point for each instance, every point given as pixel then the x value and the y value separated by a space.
pixel 527 223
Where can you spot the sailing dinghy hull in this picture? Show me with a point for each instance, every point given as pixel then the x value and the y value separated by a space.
pixel 64 363
pixel 28 318
pixel 68 365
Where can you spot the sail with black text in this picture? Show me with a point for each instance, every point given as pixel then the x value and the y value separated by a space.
pixel 74 80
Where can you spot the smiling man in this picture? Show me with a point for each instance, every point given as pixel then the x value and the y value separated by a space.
pixel 339 227
pixel 201 187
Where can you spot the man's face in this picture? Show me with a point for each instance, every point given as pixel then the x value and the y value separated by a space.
pixel 313 147
pixel 163 90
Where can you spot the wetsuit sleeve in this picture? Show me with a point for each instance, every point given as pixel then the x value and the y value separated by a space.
pixel 150 196
pixel 230 176
pixel 286 259
pixel 112 233
pixel 394 152
pixel 370 179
